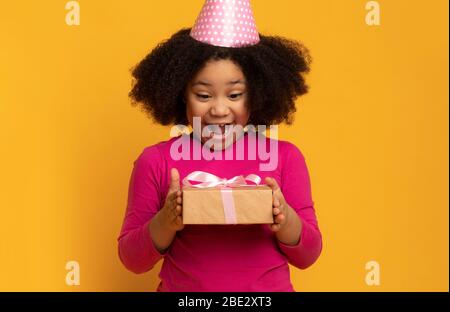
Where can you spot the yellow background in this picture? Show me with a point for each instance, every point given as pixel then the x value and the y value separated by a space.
pixel 373 129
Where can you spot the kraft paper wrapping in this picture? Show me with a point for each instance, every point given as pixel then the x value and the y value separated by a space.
pixel 253 205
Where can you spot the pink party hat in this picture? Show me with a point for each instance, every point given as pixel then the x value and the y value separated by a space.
pixel 226 23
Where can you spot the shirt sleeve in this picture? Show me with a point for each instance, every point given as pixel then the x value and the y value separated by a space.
pixel 296 188
pixel 135 245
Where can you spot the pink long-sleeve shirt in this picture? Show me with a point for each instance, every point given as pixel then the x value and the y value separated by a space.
pixel 219 257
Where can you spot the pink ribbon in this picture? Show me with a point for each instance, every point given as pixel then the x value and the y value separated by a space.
pixel 210 180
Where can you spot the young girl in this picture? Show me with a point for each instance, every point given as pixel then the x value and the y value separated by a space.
pixel 231 76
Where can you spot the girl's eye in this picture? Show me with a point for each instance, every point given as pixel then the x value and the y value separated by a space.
pixel 203 96
pixel 235 96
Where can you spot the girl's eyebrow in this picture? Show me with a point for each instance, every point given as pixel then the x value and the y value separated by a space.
pixel 209 85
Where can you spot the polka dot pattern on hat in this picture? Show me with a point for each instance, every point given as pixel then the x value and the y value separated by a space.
pixel 226 23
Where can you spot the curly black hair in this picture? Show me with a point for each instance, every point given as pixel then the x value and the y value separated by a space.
pixel 274 69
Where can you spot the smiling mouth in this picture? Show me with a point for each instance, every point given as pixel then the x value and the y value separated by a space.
pixel 220 131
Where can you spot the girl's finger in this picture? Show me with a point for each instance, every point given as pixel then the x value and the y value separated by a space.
pixel 178 210
pixel 173 211
pixel 179 200
pixel 171 196
pixel 276 211
pixel 275 227
pixel 272 183
pixel 276 190
pixel 276 201
pixel 280 218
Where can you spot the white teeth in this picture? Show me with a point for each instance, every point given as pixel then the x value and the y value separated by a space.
pixel 225 130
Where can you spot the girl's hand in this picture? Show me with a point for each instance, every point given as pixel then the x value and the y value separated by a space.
pixel 172 209
pixel 281 210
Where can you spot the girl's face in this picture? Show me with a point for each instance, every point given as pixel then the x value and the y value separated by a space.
pixel 218 95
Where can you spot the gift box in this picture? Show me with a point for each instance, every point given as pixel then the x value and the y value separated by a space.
pixel 227 201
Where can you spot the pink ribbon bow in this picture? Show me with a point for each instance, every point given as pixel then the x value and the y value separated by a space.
pixel 210 180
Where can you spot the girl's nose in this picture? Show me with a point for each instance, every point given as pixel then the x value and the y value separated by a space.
pixel 220 109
